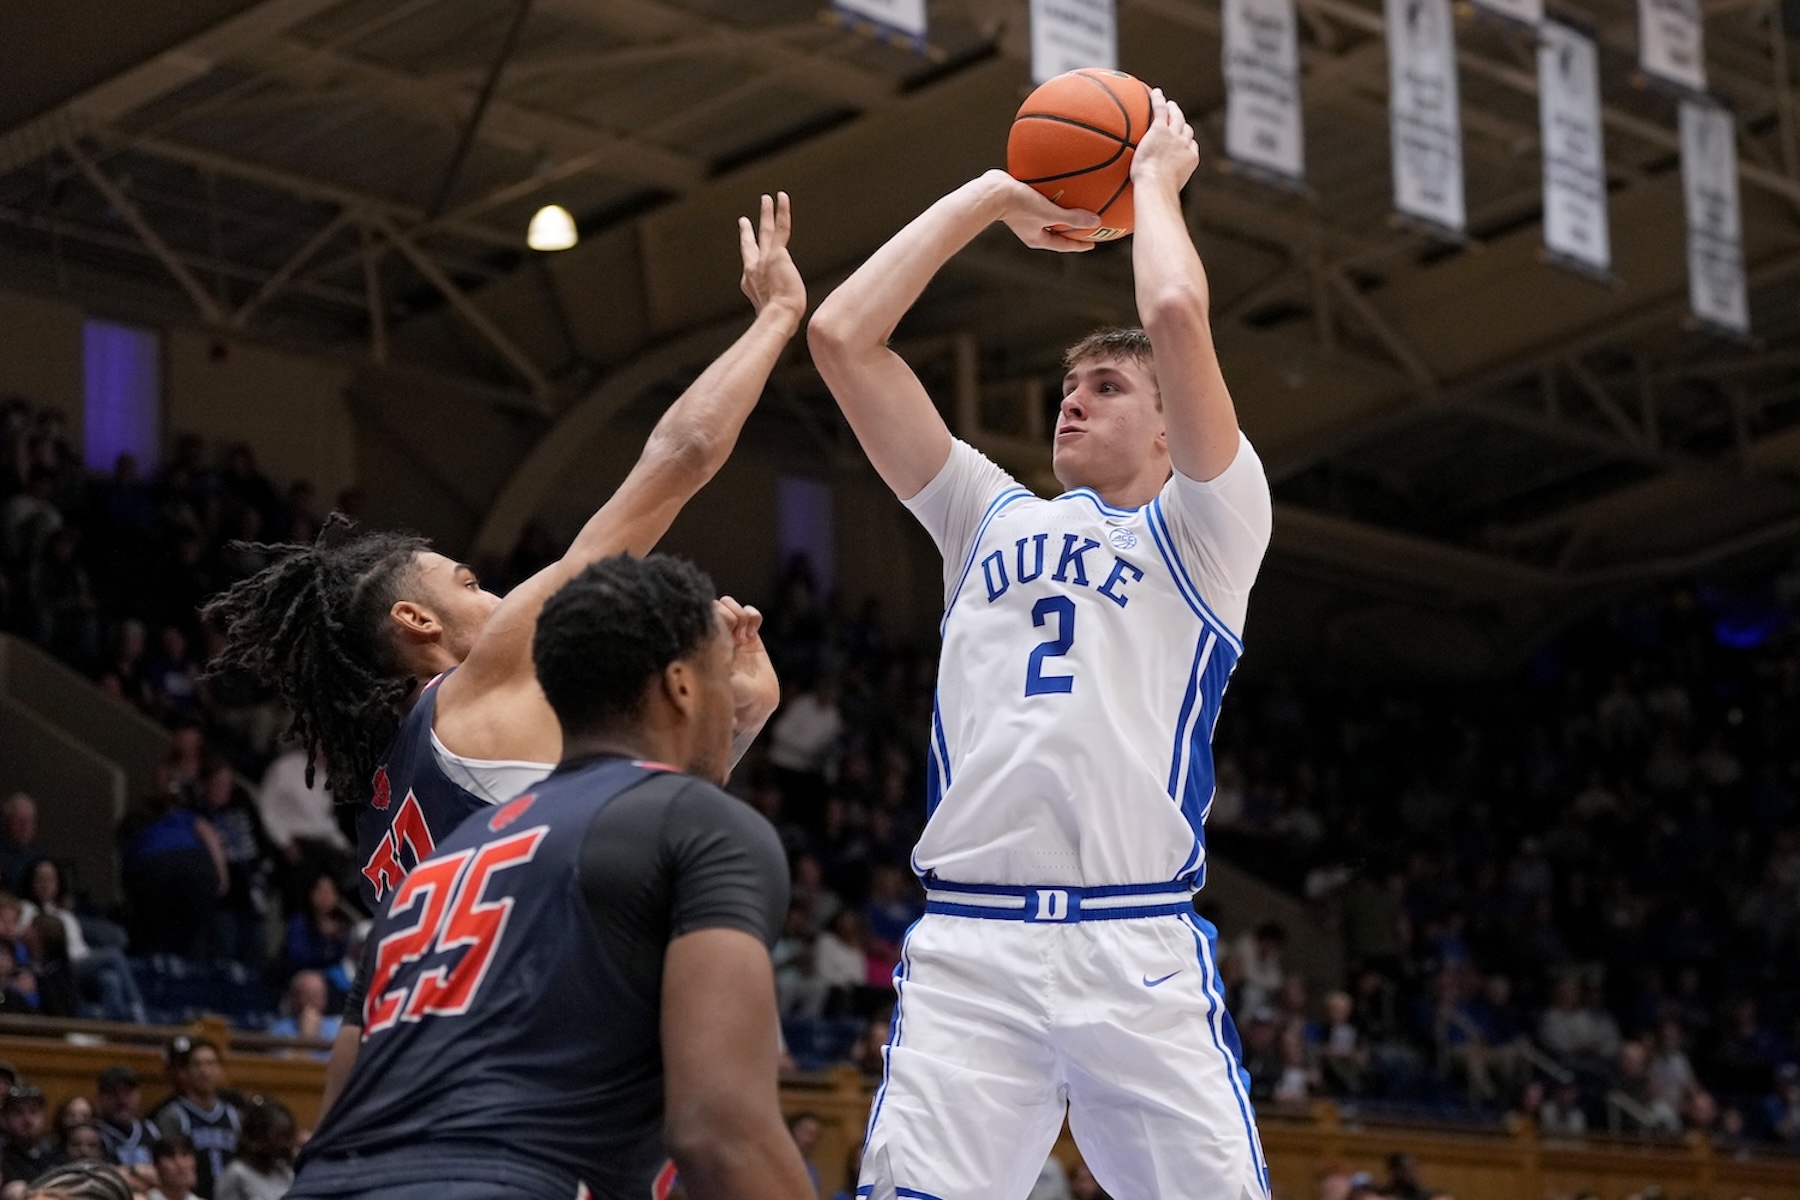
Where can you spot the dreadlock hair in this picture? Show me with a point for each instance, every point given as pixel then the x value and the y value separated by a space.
pixel 314 625
pixel 80 1181
pixel 607 632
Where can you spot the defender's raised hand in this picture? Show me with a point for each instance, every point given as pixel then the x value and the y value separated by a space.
pixel 1167 153
pixel 770 278
pixel 755 691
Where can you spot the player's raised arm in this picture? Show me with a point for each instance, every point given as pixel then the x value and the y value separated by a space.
pixel 720 1053
pixel 1174 302
pixel 688 446
pixel 896 422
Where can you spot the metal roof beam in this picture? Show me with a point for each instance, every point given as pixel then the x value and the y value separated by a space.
pixel 516 128
pixel 137 86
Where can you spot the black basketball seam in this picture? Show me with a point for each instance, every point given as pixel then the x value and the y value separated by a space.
pixel 1101 166
pixel 1117 103
pixel 1114 199
pixel 1108 134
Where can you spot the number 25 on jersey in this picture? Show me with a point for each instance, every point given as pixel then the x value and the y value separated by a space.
pixel 447 894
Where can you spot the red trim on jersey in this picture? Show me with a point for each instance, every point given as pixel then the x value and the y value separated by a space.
pixel 513 810
pixel 665 1182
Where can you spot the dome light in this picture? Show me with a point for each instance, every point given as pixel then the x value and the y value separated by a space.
pixel 551 229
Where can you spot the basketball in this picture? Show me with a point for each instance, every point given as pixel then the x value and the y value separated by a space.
pixel 1074 139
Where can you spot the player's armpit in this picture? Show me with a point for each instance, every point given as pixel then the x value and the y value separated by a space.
pixel 721 1046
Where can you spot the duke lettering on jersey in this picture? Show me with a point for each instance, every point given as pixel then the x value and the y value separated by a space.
pixel 393 839
pixel 1071 567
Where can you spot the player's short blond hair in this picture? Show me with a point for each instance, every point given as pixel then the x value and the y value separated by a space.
pixel 1120 343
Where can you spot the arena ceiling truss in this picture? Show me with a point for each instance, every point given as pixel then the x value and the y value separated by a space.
pixel 1454 424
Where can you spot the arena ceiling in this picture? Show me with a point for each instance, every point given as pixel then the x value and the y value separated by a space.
pixel 1455 427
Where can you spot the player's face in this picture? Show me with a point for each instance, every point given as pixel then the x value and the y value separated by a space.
pixel 715 712
pixel 455 598
pixel 1109 424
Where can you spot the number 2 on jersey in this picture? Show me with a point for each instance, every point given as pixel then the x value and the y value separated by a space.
pixel 447 893
pixel 1063 610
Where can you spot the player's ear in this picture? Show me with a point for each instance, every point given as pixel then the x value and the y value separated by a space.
pixel 679 687
pixel 415 620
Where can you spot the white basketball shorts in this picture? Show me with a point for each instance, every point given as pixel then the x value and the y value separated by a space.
pixel 1016 1005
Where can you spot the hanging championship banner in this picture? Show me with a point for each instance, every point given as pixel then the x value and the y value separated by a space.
pixel 1716 291
pixel 1427 128
pixel 901 16
pixel 1067 35
pixel 1262 87
pixel 1575 226
pixel 1525 12
pixel 1671 43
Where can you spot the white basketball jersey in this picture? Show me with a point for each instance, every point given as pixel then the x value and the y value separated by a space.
pixel 1086 652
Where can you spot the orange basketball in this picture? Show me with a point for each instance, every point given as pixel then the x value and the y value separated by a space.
pixel 1073 140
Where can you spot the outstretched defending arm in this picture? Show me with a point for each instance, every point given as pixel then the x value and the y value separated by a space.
pixel 688 446
pixel 1173 299
pixel 894 419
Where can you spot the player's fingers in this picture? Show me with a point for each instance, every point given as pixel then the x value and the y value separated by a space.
pixel 1187 133
pixel 749 622
pixel 1159 106
pixel 746 241
pixel 765 231
pixel 784 218
pixel 1176 120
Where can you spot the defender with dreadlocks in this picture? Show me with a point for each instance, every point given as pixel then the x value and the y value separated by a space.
pixel 417 687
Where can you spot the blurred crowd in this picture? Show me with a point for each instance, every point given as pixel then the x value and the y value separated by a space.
pixel 200 1138
pixel 1573 894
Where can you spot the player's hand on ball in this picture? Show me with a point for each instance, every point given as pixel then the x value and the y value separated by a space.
pixel 1038 221
pixel 771 279
pixel 1167 154
pixel 754 689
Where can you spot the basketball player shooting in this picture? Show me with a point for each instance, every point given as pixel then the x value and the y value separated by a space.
pixel 1087 642
pixel 416 686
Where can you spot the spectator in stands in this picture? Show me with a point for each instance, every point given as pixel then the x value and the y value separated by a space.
pixel 76 1110
pixel 64 610
pixel 264 1167
pixel 57 993
pixel 1403 1178
pixel 29 1150
pixel 318 938
pixel 18 989
pixel 1341 1056
pixel 304 1014
pixel 173 678
pixel 1632 1103
pixel 29 519
pixel 1671 1074
pixel 803 745
pixel 174 873
pixel 199 1110
pixel 893 907
pixel 237 929
pixel 299 819
pixel 177 1168
pixel 1562 1116
pixel 1259 954
pixel 101 971
pixel 80 1143
pixel 841 960
pixel 1747 1053
pixel 128 1137
pixel 805 1128
pixel 1577 1031
pixel 1083 1185
pixel 18 840
pixel 1781 1110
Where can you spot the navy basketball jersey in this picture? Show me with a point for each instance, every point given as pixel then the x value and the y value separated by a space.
pixel 414 805
pixel 505 1036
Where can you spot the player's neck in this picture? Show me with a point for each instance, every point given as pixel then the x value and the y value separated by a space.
pixel 648 744
pixel 1132 493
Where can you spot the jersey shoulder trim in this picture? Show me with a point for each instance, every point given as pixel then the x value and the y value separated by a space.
pixel 1184 583
pixel 1093 497
pixel 999 504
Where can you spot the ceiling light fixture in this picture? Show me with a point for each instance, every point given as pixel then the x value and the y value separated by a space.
pixel 551 229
